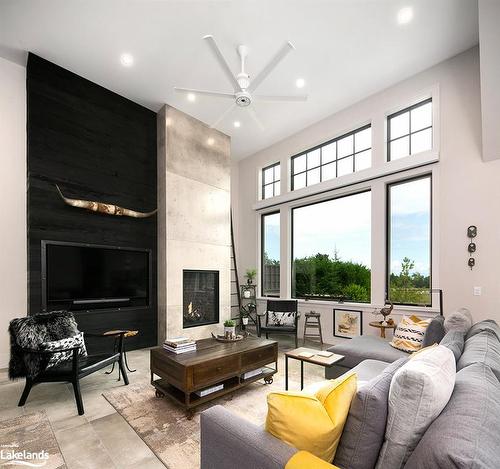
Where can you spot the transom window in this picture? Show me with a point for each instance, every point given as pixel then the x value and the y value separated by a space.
pixel 271 176
pixel 343 155
pixel 410 131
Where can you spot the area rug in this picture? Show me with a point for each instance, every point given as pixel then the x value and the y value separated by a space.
pixel 29 440
pixel 163 426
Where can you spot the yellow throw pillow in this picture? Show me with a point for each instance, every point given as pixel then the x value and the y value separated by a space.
pixel 309 422
pixel 409 335
pixel 305 460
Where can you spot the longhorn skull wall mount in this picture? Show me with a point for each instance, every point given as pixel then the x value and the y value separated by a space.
pixel 108 209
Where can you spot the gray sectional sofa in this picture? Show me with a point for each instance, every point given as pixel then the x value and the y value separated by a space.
pixel 465 435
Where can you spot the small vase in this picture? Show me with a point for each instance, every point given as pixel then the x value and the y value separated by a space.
pixel 244 321
pixel 229 332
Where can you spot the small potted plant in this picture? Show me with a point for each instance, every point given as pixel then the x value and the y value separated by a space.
pixel 229 329
pixel 244 316
pixel 250 275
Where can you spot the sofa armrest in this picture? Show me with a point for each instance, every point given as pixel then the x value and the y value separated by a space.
pixel 229 441
pixel 306 460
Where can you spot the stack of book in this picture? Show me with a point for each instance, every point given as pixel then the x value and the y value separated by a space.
pixel 179 345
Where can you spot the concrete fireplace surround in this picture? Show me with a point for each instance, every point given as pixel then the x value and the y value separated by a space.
pixel 194 230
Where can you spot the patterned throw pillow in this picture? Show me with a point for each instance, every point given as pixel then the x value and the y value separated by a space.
pixel 281 319
pixel 59 357
pixel 410 333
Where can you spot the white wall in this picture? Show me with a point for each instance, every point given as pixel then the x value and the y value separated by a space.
pixel 13 281
pixel 466 189
pixel 489 39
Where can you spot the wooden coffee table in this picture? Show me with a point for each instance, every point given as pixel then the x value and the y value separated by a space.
pixel 315 359
pixel 213 363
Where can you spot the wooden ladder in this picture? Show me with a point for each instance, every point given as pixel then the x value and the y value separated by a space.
pixel 235 283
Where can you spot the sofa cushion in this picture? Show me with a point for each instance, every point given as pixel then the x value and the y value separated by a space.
pixel 309 422
pixel 486 325
pixel 460 320
pixel 363 433
pixel 435 331
pixel 482 347
pixel 465 435
pixel 419 391
pixel 454 340
pixel 366 347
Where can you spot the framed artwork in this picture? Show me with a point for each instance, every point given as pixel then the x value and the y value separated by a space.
pixel 347 323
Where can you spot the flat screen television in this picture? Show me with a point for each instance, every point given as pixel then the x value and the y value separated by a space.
pixel 85 277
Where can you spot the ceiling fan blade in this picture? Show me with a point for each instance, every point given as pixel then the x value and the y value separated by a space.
pixel 222 61
pixel 255 117
pixel 282 53
pixel 291 99
pixel 217 94
pixel 224 114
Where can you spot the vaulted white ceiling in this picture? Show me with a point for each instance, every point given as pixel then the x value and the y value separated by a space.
pixel 345 50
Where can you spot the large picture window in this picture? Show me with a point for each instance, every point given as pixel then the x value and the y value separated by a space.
pixel 270 262
pixel 410 131
pixel 344 155
pixel 331 249
pixel 409 241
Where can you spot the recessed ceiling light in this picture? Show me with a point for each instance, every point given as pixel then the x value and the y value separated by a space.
pixel 127 60
pixel 405 15
pixel 237 124
pixel 191 97
pixel 300 83
pixel 210 141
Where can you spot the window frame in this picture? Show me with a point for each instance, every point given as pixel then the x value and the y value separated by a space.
pixel 388 236
pixel 274 181
pixel 410 133
pixel 262 249
pixel 292 280
pixel 335 161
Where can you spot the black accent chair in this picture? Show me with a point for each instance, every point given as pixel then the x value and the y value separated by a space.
pixel 76 368
pixel 290 308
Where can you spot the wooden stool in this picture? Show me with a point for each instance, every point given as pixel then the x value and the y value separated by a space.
pixel 313 321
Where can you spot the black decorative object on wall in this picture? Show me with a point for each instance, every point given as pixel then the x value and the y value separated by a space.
pixel 97 145
pixel 471 248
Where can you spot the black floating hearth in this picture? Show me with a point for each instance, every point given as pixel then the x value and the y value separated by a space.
pixel 200 297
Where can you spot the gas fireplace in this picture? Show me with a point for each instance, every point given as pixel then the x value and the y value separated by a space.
pixel 200 297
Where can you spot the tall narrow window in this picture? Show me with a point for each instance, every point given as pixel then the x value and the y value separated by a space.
pixel 343 155
pixel 271 176
pixel 332 249
pixel 270 262
pixel 410 131
pixel 409 242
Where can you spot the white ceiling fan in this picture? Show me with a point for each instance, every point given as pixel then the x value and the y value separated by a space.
pixel 242 84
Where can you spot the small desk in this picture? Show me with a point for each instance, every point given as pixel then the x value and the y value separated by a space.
pixel 315 359
pixel 383 327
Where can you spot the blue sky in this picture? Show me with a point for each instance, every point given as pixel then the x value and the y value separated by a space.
pixel 345 225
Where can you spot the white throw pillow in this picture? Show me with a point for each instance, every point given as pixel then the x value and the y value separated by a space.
pixel 419 391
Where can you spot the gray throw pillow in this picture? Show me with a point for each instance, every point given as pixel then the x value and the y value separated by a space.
pixel 460 320
pixel 465 435
pixel 435 331
pixel 364 429
pixel 59 357
pixel 419 391
pixel 483 347
pixel 454 340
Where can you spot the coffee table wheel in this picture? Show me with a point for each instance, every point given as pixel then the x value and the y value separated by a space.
pixel 268 380
pixel 189 414
pixel 159 394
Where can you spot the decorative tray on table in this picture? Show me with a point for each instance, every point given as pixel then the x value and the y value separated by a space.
pixel 222 338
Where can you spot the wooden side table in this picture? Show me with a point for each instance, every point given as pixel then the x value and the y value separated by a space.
pixel 315 359
pixel 128 333
pixel 383 327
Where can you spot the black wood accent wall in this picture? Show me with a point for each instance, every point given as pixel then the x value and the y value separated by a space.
pixel 96 145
